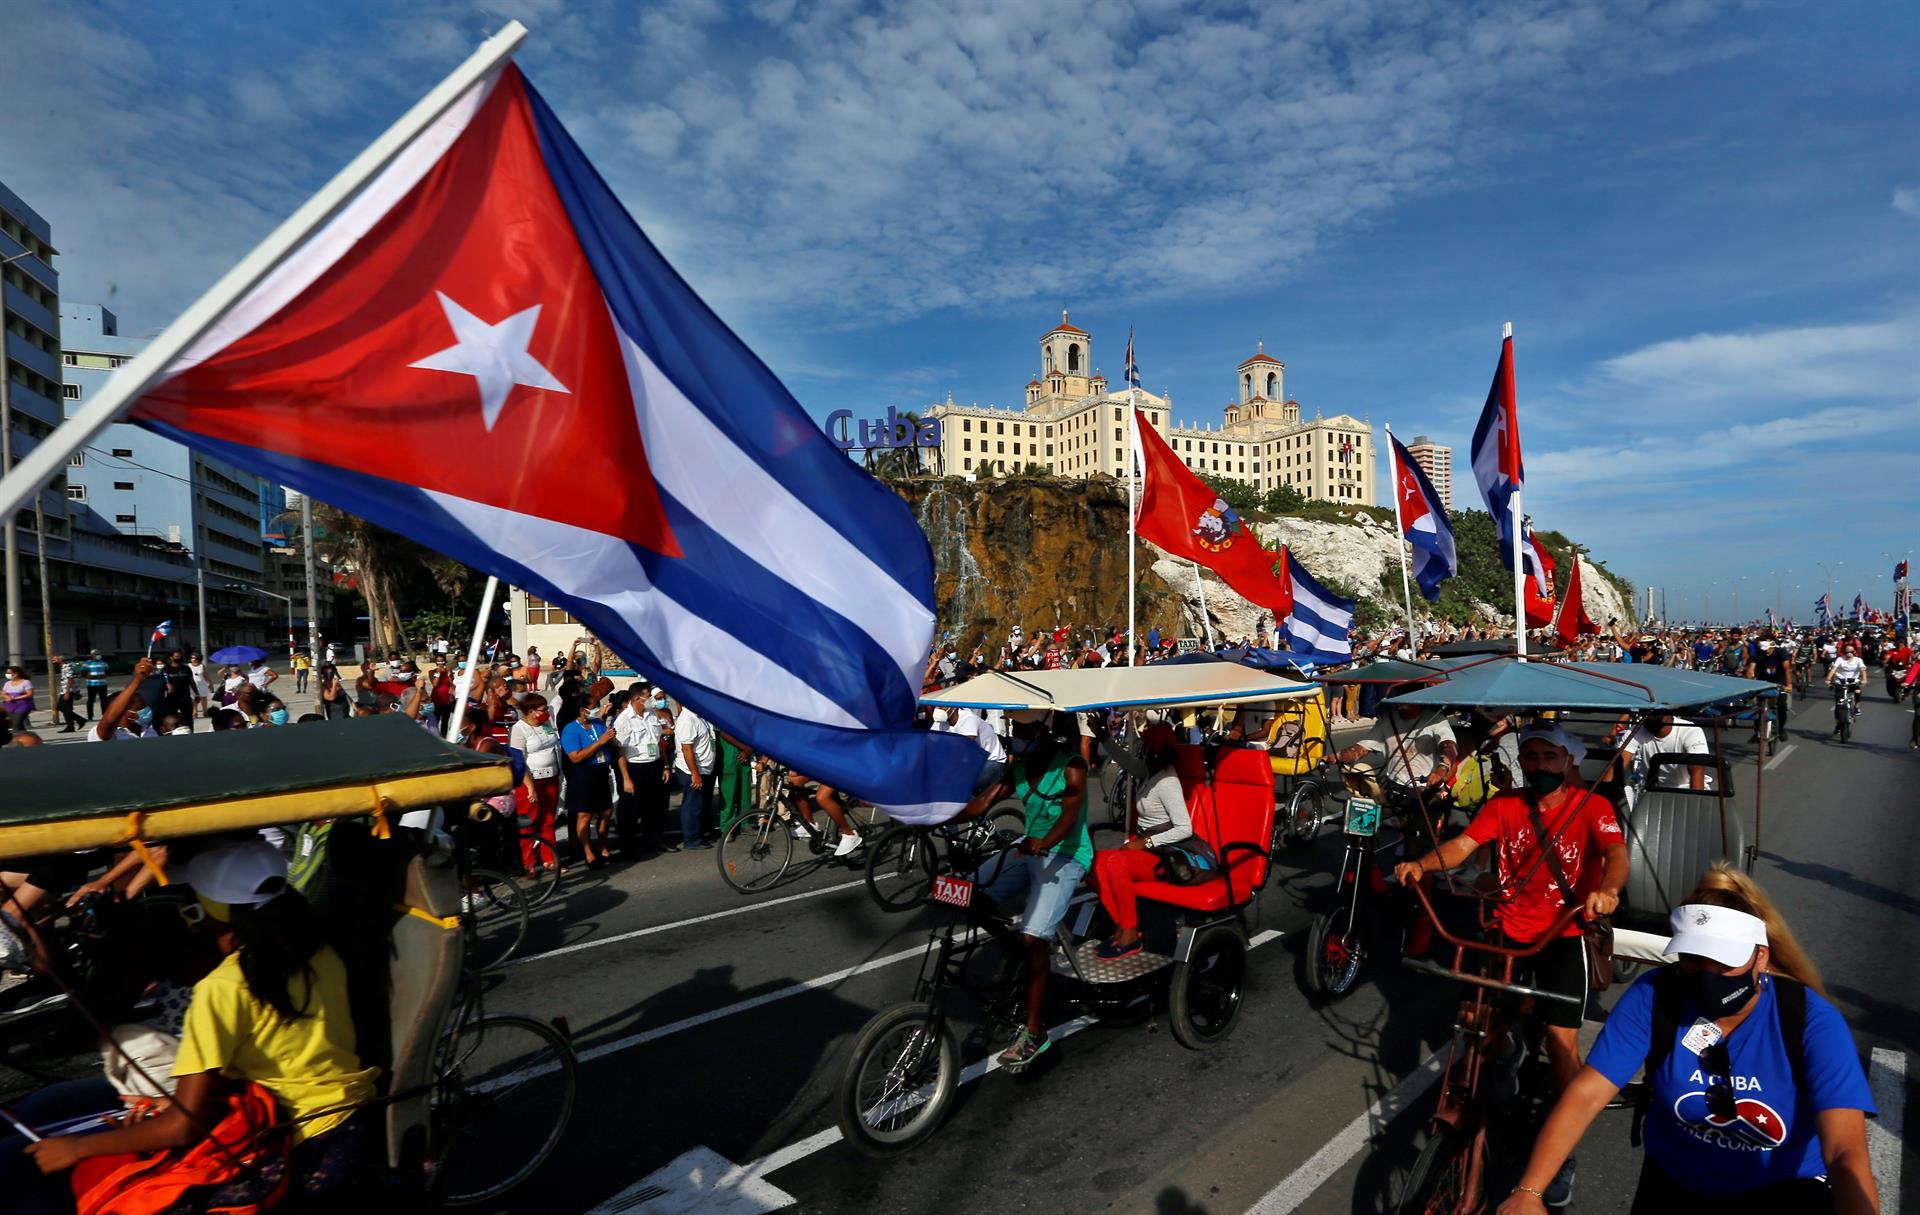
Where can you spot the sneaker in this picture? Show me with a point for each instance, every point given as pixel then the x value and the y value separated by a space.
pixel 847 846
pixel 1108 951
pixel 1025 1049
pixel 1560 1189
pixel 800 833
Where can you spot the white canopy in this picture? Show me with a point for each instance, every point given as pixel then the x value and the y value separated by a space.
pixel 1080 688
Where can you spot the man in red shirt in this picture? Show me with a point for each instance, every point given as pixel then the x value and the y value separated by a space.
pixel 1591 855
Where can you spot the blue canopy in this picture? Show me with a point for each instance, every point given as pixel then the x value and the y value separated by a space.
pixel 1508 683
pixel 1254 656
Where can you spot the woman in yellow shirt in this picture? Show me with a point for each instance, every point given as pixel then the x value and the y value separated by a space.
pixel 274 1012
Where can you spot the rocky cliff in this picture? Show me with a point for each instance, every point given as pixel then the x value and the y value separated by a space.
pixel 1045 552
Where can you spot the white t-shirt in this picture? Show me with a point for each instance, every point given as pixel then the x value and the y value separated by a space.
pixel 639 735
pixel 120 733
pixel 1411 751
pixel 690 730
pixel 1684 739
pixel 968 723
pixel 1163 802
pixel 541 746
pixel 200 688
pixel 1849 668
pixel 258 677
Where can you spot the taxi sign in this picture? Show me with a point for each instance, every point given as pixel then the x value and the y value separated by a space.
pixel 1363 817
pixel 953 891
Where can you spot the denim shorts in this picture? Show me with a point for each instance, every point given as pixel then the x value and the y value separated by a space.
pixel 1050 881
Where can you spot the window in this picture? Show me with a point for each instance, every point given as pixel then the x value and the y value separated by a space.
pixel 70 392
pixel 77 492
pixel 966 445
pixel 1033 432
pixel 115 360
pixel 1117 433
pixel 123 485
pixel 539 611
pixel 1002 446
pixel 967 464
pixel 1000 428
pixel 1016 447
pixel 123 452
pixel 1049 432
pixel 125 519
pixel 1049 451
pixel 71 360
pixel 965 425
pixel 78 459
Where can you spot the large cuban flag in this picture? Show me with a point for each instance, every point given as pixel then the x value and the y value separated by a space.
pixel 1320 626
pixel 481 350
pixel 1423 521
pixel 1497 467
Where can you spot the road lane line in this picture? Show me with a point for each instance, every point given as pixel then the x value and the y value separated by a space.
pixel 1886 1135
pixel 699 919
pixel 1300 1184
pixel 1782 754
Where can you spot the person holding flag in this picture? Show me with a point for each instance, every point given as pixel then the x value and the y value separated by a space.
pixel 161 632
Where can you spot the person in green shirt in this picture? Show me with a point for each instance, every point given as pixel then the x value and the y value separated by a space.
pixel 1045 771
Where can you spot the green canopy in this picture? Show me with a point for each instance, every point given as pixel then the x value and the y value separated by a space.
pixel 88 795
pixel 1508 683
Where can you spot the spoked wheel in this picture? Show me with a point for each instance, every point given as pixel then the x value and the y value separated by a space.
pixel 1334 957
pixel 900 1081
pixel 502 1096
pixel 1303 816
pixel 1207 988
pixel 900 868
pixel 1843 723
pixel 755 851
pixel 543 879
pixel 1008 823
pixel 495 913
pixel 1445 1179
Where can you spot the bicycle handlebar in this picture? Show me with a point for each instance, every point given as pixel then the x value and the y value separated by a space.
pixel 1508 951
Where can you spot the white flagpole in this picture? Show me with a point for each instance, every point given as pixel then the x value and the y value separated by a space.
pixel 150 365
pixel 1133 507
pixel 1400 530
pixel 1519 566
pixel 465 681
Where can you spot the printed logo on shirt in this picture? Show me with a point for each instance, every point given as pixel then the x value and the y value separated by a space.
pixel 1754 1125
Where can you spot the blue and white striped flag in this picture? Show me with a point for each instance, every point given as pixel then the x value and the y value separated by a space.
pixel 1320 626
pixel 1823 610
pixel 1133 368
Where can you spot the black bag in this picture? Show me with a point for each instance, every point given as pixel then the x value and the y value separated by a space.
pixel 1187 862
pixel 1597 933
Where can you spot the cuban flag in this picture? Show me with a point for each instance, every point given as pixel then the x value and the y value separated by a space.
pixel 1132 369
pixel 1900 571
pixel 161 632
pixel 1423 521
pixel 1319 627
pixel 1497 467
pixel 620 452
pixel 1859 604
pixel 1823 610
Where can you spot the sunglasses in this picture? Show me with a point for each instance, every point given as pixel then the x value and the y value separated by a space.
pixel 1718 1065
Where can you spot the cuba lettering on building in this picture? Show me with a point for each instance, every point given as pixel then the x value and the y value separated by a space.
pixel 890 431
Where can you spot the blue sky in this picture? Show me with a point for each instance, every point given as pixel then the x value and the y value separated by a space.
pixel 1703 218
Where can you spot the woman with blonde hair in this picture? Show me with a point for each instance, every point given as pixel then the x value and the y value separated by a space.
pixel 1754 1091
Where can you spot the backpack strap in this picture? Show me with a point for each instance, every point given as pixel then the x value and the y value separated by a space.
pixel 1790 1004
pixel 1669 1005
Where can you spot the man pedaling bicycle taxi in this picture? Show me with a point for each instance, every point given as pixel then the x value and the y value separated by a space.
pixel 1424 754
pixel 824 797
pixel 1588 861
pixel 1047 773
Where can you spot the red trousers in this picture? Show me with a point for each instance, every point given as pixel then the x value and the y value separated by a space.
pixel 536 816
pixel 1115 870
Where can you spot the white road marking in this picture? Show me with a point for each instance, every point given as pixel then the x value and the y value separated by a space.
pixel 1886 1135
pixel 1300 1184
pixel 699 919
pixel 699 1180
pixel 1780 755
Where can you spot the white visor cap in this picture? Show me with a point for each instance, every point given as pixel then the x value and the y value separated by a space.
pixel 1720 933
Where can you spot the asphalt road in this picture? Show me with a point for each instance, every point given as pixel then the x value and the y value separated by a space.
pixel 712 1028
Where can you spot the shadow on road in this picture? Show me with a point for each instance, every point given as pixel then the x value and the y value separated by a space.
pixel 1840 879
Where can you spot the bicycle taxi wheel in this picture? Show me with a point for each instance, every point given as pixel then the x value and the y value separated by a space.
pixel 503 1093
pixel 495 912
pixel 900 1082
pixel 1207 987
pixel 900 868
pixel 543 879
pixel 755 851
pixel 1446 1177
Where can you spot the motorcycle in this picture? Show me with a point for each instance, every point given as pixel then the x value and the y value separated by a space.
pixel 1896 681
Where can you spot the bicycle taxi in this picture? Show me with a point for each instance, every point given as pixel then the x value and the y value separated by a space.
pixel 904 1072
pixel 469 1103
pixel 1680 812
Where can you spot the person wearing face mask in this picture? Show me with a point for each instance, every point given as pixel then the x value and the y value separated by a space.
pixel 1755 1097
pixel 1663 734
pixel 537 800
pixel 277 714
pixel 1159 818
pixel 1412 752
pixel 127 715
pixel 643 727
pixel 1587 862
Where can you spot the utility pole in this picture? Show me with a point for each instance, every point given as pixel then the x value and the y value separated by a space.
pixel 200 586
pixel 313 603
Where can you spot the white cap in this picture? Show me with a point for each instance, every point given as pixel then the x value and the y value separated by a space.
pixel 246 873
pixel 1554 733
pixel 1720 933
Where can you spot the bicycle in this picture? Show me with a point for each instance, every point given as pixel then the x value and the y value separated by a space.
pixel 1846 707
pixel 903 862
pixel 1480 1128
pixel 757 848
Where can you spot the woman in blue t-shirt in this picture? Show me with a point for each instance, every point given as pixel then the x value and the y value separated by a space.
pixel 1729 1113
pixel 584 740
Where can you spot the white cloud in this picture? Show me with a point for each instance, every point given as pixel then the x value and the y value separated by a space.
pixel 1906 200
pixel 1872 360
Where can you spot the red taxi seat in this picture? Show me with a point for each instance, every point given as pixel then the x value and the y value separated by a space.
pixel 1236 808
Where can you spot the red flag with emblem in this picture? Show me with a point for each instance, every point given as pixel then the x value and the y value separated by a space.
pixel 1180 514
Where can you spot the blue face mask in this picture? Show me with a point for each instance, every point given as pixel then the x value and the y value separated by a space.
pixel 278 717
pixel 144 717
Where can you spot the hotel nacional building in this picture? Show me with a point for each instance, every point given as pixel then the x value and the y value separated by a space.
pixel 1074 425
